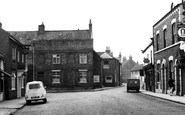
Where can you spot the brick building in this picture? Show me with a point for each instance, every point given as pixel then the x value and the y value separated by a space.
pixel 13 66
pixel 168 34
pixel 110 69
pixel 62 58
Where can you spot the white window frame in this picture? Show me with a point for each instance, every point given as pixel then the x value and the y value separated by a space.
pixel 83 75
pixel 55 76
pixel 107 80
pixel 13 81
pixel 83 58
pixel 56 59
pixel 106 66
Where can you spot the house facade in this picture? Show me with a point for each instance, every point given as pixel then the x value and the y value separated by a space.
pixel 137 73
pixel 168 34
pixel 62 58
pixel 148 67
pixel 12 66
pixel 110 69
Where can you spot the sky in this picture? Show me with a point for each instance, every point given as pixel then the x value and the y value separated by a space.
pixel 123 25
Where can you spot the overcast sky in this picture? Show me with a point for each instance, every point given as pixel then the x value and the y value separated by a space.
pixel 124 25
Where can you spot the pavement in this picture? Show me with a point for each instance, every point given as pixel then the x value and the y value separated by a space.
pixel 9 107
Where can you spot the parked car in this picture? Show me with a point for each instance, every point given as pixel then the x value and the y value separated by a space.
pixel 133 84
pixel 35 91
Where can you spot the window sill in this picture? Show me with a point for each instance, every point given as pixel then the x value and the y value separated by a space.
pixel 55 82
pixel 82 82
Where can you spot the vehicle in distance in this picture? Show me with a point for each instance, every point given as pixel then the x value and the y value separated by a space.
pixel 35 91
pixel 133 84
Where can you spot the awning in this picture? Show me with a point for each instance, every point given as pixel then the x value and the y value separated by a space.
pixel 7 74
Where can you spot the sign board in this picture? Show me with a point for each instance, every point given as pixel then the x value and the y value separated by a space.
pixel 96 78
pixel 181 32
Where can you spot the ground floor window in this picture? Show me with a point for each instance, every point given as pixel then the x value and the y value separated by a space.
pixel 56 76
pixel 1 84
pixel 13 81
pixel 108 79
pixel 22 82
pixel 83 75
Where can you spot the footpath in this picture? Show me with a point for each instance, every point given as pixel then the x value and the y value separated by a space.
pixel 9 107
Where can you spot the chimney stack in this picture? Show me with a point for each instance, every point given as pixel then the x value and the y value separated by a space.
pixel 41 29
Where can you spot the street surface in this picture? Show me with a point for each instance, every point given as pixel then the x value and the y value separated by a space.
pixel 114 101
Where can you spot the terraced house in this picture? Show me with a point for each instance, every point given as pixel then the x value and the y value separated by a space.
pixel 12 66
pixel 62 58
pixel 169 58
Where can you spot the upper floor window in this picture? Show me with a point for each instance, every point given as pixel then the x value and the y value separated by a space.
pixel 164 37
pixel 173 33
pixel 56 59
pixel 22 58
pixel 106 64
pixel 14 53
pixel 18 56
pixel 157 42
pixel 83 58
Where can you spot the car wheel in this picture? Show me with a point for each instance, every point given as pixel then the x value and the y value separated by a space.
pixel 28 102
pixel 45 100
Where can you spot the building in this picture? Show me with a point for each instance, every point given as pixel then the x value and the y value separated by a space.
pixel 148 68
pixel 137 73
pixel 110 68
pixel 169 60
pixel 62 58
pixel 13 66
pixel 127 66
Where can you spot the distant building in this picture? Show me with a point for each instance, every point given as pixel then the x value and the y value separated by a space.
pixel 127 66
pixel 110 68
pixel 137 73
pixel 13 66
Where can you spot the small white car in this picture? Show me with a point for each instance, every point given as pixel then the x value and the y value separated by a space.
pixel 35 91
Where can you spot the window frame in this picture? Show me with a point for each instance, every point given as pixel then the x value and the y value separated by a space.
pixel 56 75
pixel 56 59
pixel 13 81
pixel 83 75
pixel 83 58
pixel 164 37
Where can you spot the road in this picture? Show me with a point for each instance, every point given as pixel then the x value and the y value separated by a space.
pixel 114 101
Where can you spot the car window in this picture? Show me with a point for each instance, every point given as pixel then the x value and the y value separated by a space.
pixel 34 86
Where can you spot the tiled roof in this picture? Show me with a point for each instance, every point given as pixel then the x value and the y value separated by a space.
pixel 26 37
pixel 137 67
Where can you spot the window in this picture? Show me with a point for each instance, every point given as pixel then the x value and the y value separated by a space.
pixel 22 58
pixel 173 33
pixel 164 37
pixel 22 82
pixel 14 53
pixel 34 86
pixel 56 76
pixel 18 56
pixel 56 59
pixel 83 75
pixel 83 58
pixel 157 42
pixel 109 79
pixel 106 64
pixel 13 81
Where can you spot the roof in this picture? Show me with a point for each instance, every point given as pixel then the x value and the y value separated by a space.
pixel 26 37
pixel 106 56
pixel 32 82
pixel 137 67
pixel 143 51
